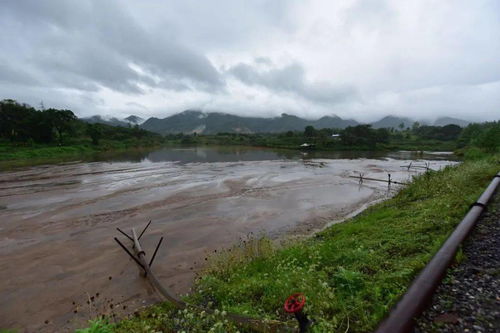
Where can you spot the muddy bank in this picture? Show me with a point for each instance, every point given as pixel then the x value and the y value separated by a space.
pixel 57 225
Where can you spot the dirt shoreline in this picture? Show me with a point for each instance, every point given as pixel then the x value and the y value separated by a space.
pixel 56 238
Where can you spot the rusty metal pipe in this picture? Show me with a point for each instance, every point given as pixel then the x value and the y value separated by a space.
pixel 411 305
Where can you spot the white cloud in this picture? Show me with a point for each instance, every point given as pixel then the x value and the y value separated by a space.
pixel 356 58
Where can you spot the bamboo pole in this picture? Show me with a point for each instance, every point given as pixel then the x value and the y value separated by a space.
pixel 256 324
pixel 378 180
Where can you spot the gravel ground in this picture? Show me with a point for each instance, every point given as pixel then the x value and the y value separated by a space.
pixel 469 298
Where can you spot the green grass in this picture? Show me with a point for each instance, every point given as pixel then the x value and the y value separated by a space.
pixel 18 155
pixel 8 152
pixel 419 145
pixel 97 326
pixel 352 273
pixel 282 141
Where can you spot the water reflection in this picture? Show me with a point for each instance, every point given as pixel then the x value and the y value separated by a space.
pixel 214 154
pixel 238 153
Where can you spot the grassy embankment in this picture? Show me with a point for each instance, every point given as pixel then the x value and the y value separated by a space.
pixel 15 155
pixel 352 273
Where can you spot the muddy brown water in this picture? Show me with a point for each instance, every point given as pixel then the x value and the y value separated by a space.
pixel 59 265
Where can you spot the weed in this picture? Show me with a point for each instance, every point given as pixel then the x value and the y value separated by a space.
pixel 351 273
pixel 97 326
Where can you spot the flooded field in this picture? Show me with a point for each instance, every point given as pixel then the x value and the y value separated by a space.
pixel 57 222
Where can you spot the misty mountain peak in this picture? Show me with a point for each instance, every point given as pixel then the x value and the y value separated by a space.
pixel 191 121
pixel 134 119
pixel 450 120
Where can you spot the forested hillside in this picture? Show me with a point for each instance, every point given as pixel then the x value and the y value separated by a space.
pixel 28 133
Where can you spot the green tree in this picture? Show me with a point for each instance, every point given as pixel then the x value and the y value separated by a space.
pixel 360 135
pixel 16 120
pixel 415 126
pixel 61 121
pixel 309 131
pixel 450 132
pixel 446 133
pixel 95 133
pixel 468 134
pixel 325 132
pixel 489 139
pixel 40 127
pixel 382 135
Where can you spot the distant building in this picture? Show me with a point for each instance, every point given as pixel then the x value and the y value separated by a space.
pixel 307 145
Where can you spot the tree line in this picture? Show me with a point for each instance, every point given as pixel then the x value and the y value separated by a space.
pixel 485 136
pixel 23 123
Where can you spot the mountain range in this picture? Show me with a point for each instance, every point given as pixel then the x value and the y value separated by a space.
pixel 449 120
pixel 209 123
pixel 393 122
pixel 193 121
pixel 113 121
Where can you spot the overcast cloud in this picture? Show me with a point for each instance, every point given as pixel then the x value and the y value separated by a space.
pixel 359 59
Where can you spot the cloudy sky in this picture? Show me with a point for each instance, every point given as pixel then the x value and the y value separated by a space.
pixel 358 59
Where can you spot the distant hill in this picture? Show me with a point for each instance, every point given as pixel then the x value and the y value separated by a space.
pixel 134 120
pixel 449 120
pixel 113 121
pixel 108 121
pixel 394 122
pixel 192 121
